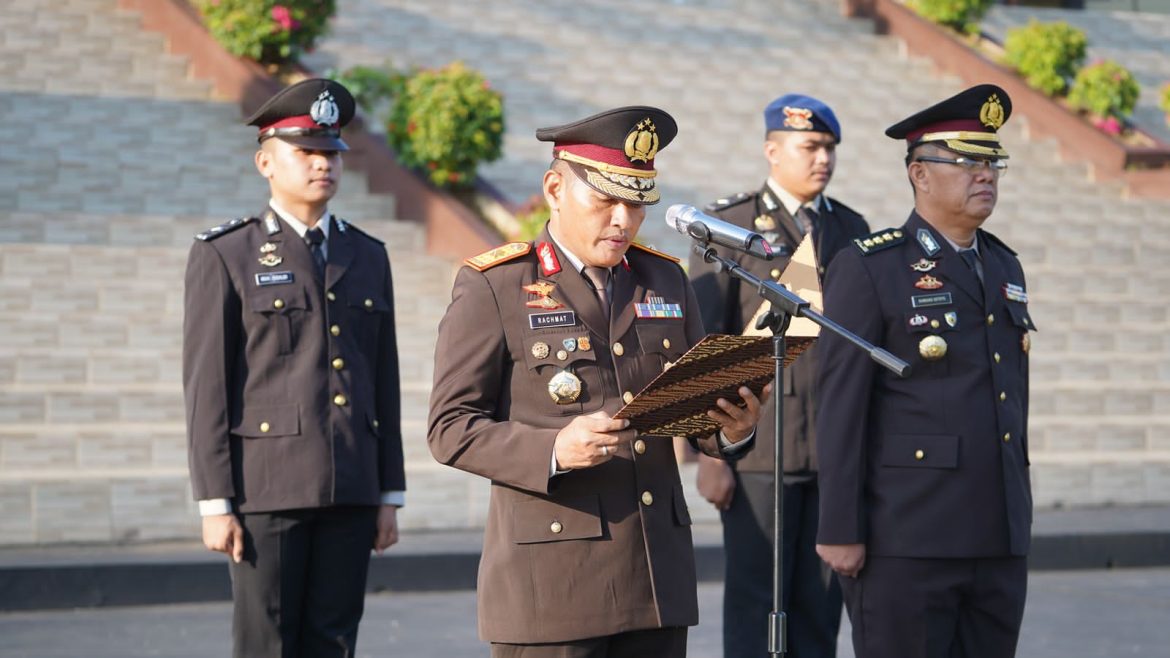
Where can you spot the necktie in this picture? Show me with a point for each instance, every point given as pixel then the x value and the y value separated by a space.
pixel 806 218
pixel 599 278
pixel 315 237
pixel 972 259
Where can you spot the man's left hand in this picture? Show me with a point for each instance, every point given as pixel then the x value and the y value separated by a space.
pixel 738 422
pixel 387 528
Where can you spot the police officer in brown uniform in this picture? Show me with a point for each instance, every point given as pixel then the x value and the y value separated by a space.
pixel 926 506
pixel 290 373
pixel 801 138
pixel 587 550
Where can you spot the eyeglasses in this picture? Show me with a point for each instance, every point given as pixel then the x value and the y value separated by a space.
pixel 973 166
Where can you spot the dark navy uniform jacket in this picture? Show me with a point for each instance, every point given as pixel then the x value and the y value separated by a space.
pixel 936 464
pixel 291 383
pixel 728 307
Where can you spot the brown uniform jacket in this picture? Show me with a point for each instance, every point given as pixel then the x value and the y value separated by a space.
pixel 728 307
pixel 594 551
pixel 291 383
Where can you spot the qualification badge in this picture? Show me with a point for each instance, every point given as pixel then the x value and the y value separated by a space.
pixel 932 348
pixel 928 282
pixel 564 387
pixel 269 257
pixel 540 350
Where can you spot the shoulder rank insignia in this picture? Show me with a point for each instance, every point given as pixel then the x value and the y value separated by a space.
pixel 878 241
pixel 223 229
pixel 727 202
pixel 501 254
pixel 649 250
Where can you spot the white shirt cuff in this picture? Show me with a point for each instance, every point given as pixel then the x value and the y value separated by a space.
pixel 395 498
pixel 215 507
pixel 729 448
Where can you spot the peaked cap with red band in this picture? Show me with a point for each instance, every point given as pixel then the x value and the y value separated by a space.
pixel 310 114
pixel 966 123
pixel 613 152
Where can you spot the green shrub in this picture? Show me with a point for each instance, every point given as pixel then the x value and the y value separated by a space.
pixel 1105 89
pixel 268 31
pixel 1164 102
pixel 445 122
pixel 532 216
pixel 961 15
pixel 1046 54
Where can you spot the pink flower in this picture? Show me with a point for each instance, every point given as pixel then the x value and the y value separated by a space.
pixel 1108 125
pixel 284 18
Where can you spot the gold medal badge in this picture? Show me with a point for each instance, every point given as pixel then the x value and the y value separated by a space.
pixel 564 387
pixel 932 348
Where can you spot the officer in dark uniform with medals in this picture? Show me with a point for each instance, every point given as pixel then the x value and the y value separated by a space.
pixel 290 374
pixel 587 551
pixel 926 506
pixel 801 138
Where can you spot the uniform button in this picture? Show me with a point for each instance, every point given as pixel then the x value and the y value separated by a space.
pixel 335 330
pixel 647 498
pixel 556 527
pixel 775 274
pixel 279 303
pixel 330 296
pixel 919 455
pixel 338 363
pixel 996 357
pixel 375 422
pixel 627 397
pixel 666 343
pixel 264 427
pixel 618 349
pixel 1002 396
pixel 339 400
pixel 640 447
pixel 990 319
pixel 369 303
pixel 1007 436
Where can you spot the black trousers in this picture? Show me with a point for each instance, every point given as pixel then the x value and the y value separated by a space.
pixel 650 643
pixel 812 597
pixel 300 589
pixel 937 608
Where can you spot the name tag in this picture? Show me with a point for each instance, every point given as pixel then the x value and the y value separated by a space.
pixel 937 299
pixel 546 320
pixel 273 278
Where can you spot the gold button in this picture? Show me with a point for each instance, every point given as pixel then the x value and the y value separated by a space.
pixel 666 343
pixel 339 400
pixel 278 303
pixel 330 296
pixel 775 274
pixel 934 324
pixel 618 349
pixel 556 527
pixel 640 447
pixel 1007 436
pixel 335 330
pixel 338 363
pixel 264 427
pixel 1002 396
pixel 647 498
pixel 627 397
pixel 562 355
pixel 996 357
pixel 369 303
pixel 990 319
pixel 919 455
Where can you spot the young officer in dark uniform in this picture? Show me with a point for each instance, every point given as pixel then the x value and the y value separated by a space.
pixel 801 139
pixel 587 551
pixel 926 506
pixel 290 372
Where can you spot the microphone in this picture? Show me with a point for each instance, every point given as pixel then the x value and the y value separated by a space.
pixel 689 221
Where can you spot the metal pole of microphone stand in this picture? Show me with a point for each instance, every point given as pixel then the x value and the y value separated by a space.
pixel 778 619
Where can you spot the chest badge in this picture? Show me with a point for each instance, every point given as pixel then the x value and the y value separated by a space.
pixel 564 387
pixel 923 265
pixel 540 350
pixel 539 296
pixel 268 256
pixel 932 348
pixel 765 223
pixel 549 263
pixel 656 307
pixel 927 242
pixel 928 282
pixel 570 344
pixel 1026 342
pixel 583 343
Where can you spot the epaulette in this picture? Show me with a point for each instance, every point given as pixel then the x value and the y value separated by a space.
pixel 223 229
pixel 996 240
pixel 728 202
pixel 884 239
pixel 642 247
pixel 344 226
pixel 500 254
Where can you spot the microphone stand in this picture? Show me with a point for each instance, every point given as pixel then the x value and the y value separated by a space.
pixel 785 306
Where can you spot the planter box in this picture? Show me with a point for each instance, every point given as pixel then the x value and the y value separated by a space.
pixel 453 230
pixel 1144 170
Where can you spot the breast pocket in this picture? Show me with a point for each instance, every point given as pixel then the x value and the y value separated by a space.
pixel 563 372
pixel 280 316
pixel 660 343
pixel 366 311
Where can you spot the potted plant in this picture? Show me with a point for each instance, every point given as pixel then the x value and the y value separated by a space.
pixel 1047 55
pixel 271 32
pixel 959 15
pixel 1107 92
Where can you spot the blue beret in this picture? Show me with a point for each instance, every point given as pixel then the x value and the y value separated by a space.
pixel 797 112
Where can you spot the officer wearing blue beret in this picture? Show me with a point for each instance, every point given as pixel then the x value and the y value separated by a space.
pixel 800 145
pixel 926 506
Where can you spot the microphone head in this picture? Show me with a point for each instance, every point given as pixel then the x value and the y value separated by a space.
pixel 678 216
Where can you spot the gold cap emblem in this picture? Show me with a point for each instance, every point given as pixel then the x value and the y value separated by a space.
pixel 642 142
pixel 991 114
pixel 798 118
